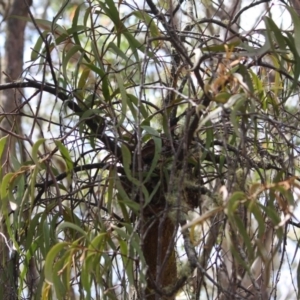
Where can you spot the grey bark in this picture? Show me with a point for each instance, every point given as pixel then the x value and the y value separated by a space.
pixel 10 122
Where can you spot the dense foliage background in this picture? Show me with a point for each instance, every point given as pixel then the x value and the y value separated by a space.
pixel 150 150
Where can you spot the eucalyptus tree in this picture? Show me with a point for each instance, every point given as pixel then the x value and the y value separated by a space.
pixel 162 152
pixel 12 67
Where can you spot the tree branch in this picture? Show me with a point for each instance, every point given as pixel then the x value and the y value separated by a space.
pixel 95 127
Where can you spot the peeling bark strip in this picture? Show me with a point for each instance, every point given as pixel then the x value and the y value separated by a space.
pixel 156 246
pixel 10 101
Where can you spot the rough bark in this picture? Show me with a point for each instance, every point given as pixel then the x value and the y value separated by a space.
pixel 160 257
pixel 10 122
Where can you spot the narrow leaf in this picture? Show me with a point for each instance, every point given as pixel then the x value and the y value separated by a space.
pixel 50 259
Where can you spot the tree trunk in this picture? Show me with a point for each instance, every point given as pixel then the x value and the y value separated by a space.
pixel 160 257
pixel 10 122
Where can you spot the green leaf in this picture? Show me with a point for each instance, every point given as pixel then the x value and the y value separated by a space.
pixel 157 150
pixel 123 98
pixel 239 103
pixel 66 156
pixel 103 76
pixel 234 202
pixel 50 259
pixel 85 277
pixel 116 50
pixel 254 209
pixel 257 83
pixel 98 59
pixel 98 242
pixel 59 15
pixel 126 158
pixel 36 50
pixel 3 141
pixel 110 9
pixel 271 213
pixel 46 237
pixel 150 23
pixel 6 185
pixel 75 22
pixel 252 51
pixel 35 149
pixel 246 76
pixel 296 21
pixel 129 203
pixel 209 136
pixel 243 232
pixel 33 180
pixel 59 286
pixel 153 193
pixel 122 196
pixel 33 229
pixel 296 64
pixel 70 225
pixel 45 24
pixel 112 12
pixel 272 27
pixel 135 45
pixel 221 48
pixel 124 239
pixel 70 54
pixel 142 108
pixel 75 29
